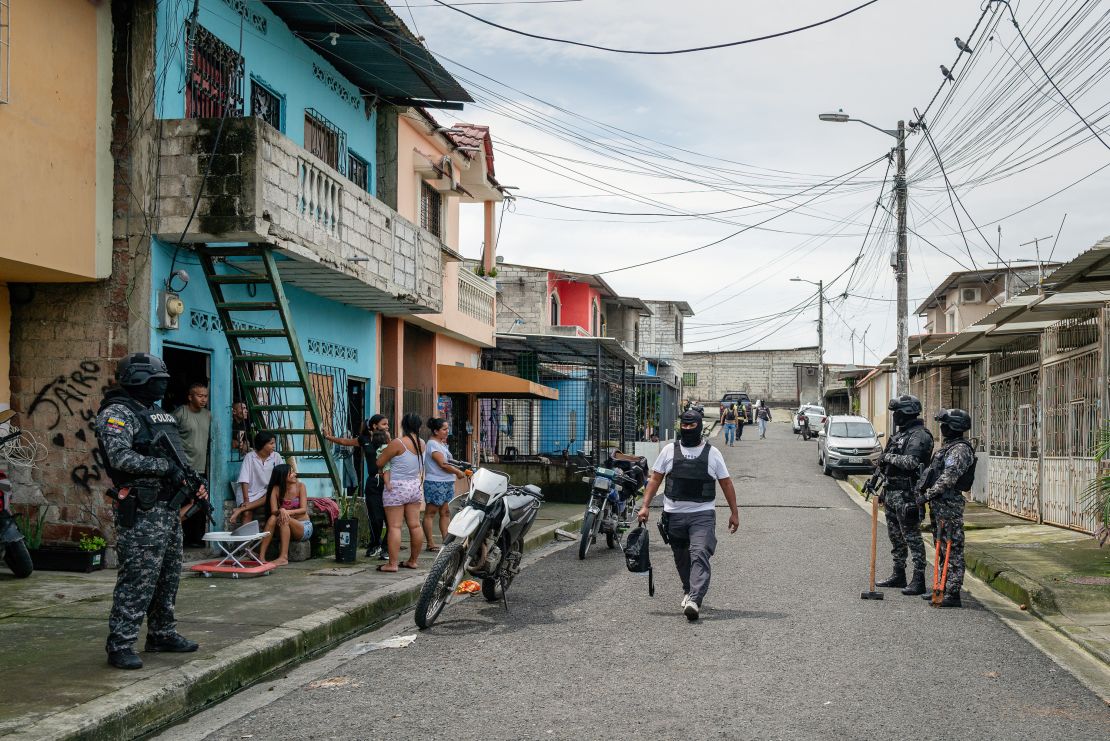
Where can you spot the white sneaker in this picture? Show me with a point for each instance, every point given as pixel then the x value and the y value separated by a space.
pixel 685 599
pixel 691 610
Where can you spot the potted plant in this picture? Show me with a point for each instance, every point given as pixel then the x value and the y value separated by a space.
pixel 346 532
pixel 87 555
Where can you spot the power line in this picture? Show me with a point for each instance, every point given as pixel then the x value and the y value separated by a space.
pixel 709 47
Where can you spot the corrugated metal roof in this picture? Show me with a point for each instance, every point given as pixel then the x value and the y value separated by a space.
pixel 373 49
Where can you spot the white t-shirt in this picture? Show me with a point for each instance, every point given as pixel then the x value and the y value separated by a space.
pixel 665 462
pixel 255 473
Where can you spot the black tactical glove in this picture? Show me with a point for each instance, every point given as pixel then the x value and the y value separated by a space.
pixel 176 474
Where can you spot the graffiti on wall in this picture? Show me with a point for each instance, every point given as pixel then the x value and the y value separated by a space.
pixel 71 398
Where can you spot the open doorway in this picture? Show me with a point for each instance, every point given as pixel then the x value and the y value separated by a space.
pixel 186 367
pixel 356 411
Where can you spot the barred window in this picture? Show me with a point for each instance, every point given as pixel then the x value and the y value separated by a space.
pixel 358 171
pixel 431 209
pixel 689 379
pixel 266 104
pixel 325 140
pixel 214 78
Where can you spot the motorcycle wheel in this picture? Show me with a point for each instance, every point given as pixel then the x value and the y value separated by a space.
pixel 611 540
pixel 18 559
pixel 586 536
pixel 437 587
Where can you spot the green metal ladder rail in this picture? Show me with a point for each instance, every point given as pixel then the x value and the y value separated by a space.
pixel 241 360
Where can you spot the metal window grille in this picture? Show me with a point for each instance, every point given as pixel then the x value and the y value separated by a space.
pixel 265 104
pixel 689 379
pixel 5 50
pixel 329 386
pixel 657 404
pixel 431 209
pixel 554 310
pixel 358 171
pixel 418 401
pixel 1019 354
pixel 387 401
pixel 1013 432
pixel 214 76
pixel 325 140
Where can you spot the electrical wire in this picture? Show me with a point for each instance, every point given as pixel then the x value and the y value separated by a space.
pixel 690 50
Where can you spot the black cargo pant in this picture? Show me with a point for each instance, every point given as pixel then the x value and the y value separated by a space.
pixel 693 537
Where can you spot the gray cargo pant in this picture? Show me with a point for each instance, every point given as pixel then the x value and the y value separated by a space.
pixel 693 538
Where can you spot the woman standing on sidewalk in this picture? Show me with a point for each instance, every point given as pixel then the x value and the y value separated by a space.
pixel 439 481
pixel 403 496
pixel 374 488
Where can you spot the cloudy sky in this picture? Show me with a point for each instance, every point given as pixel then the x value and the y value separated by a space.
pixel 732 136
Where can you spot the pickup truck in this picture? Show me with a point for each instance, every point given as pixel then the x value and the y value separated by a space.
pixel 740 398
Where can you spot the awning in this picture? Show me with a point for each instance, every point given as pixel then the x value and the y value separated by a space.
pixel 453 379
pixel 372 48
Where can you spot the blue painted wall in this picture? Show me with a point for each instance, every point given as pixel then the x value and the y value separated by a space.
pixel 277 58
pixel 651 369
pixel 556 416
pixel 314 318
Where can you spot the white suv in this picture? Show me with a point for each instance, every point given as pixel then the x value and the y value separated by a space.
pixel 848 443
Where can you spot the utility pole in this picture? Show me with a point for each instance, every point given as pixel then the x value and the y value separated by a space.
pixel 901 265
pixel 821 342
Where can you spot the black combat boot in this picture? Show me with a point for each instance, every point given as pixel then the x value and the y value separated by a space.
pixel 125 659
pixel 951 600
pixel 897 579
pixel 916 585
pixel 175 644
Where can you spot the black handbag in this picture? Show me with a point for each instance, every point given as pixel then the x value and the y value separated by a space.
pixel 637 556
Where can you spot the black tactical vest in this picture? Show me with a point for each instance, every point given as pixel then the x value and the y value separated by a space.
pixel 937 466
pixel 689 480
pixel 152 421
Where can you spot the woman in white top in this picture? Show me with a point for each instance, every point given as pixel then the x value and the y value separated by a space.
pixel 403 496
pixel 254 479
pixel 439 481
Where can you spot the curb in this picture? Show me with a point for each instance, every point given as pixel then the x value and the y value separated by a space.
pixel 1032 597
pixel 172 696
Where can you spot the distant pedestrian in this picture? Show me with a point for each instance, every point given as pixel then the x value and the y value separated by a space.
pixel 693 469
pixel 762 416
pixel 950 473
pixel 729 420
pixel 404 495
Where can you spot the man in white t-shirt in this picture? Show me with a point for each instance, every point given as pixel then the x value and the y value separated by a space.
pixel 689 517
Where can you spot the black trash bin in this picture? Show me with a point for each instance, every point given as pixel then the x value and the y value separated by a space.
pixel 346 540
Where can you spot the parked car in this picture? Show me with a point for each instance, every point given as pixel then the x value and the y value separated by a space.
pixel 814 413
pixel 740 398
pixel 848 443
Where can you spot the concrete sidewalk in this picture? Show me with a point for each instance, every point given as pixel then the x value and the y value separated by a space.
pixel 53 626
pixel 1060 576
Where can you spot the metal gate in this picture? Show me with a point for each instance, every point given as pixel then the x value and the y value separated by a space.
pixel 1014 468
pixel 1072 415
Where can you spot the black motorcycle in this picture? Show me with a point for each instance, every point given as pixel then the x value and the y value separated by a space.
pixel 12 545
pixel 612 504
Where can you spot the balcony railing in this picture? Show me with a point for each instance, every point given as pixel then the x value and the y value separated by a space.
pixel 261 187
pixel 476 297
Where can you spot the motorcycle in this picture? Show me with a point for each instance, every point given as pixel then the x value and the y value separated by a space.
pixel 803 426
pixel 610 509
pixel 12 546
pixel 485 539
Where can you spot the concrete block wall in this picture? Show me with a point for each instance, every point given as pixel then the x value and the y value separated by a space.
pixel 522 295
pixel 770 375
pixel 263 187
pixel 657 336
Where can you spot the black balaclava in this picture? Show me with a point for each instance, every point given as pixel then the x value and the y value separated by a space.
pixel 948 433
pixel 691 438
pixel 901 418
pixel 149 392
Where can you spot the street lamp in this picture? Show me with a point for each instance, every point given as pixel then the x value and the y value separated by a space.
pixel 820 335
pixel 901 260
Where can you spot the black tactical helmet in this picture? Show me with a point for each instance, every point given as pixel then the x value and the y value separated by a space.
pixel 905 404
pixel 139 367
pixel 956 420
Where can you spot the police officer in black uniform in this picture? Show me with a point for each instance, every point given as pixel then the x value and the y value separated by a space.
pixel 148 485
pixel 951 472
pixel 906 454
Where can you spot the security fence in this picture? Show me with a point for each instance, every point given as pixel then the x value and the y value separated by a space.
pixel 657 409
pixel 594 414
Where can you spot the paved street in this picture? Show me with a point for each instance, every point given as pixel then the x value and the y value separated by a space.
pixel 785 649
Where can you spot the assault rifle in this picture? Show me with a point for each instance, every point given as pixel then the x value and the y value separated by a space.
pixel 875 485
pixel 188 487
